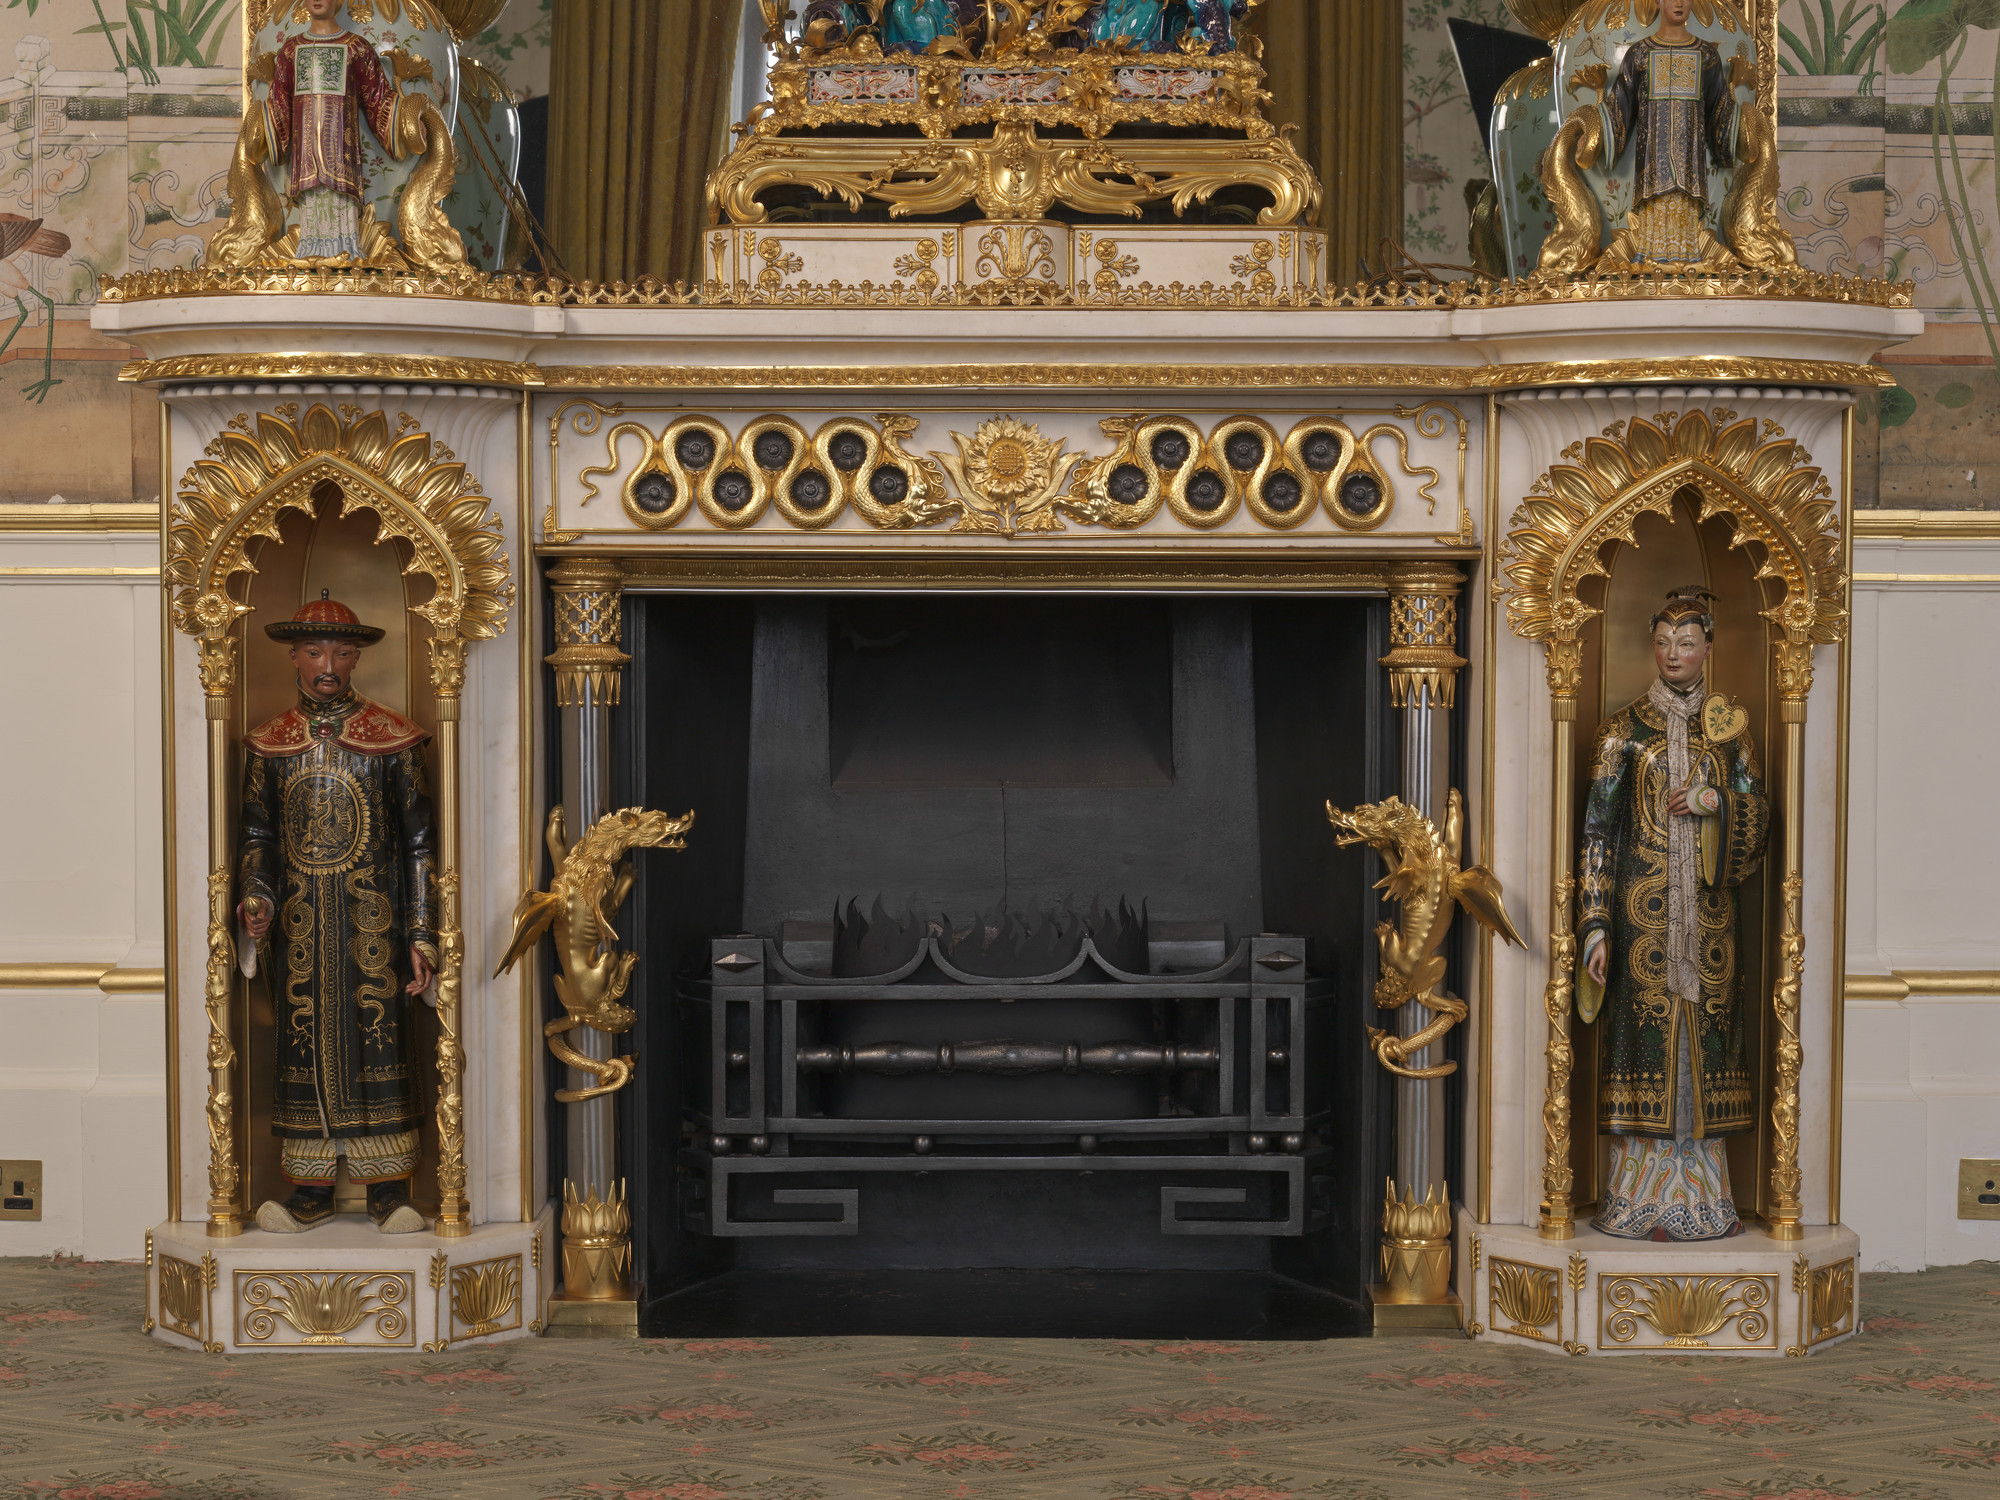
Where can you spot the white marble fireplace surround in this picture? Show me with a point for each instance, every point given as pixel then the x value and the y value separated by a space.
pixel 1521 384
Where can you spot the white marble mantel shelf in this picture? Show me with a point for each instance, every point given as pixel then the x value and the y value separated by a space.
pixel 1656 330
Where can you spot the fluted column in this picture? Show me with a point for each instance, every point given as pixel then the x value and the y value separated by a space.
pixel 588 607
pixel 1423 663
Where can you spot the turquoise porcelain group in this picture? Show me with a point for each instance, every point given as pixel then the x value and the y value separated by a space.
pixel 1586 35
pixel 477 207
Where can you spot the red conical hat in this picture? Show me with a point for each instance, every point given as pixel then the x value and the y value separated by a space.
pixel 325 619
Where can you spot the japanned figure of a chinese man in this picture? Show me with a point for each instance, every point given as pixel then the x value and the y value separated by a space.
pixel 336 890
pixel 325 83
pixel 1673 101
pixel 1674 824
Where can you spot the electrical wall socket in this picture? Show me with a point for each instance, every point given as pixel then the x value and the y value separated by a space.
pixel 1978 1188
pixel 20 1190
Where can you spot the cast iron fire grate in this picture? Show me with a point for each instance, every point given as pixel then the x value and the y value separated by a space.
pixel 1065 1042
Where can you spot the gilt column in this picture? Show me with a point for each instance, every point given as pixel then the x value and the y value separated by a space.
pixel 588 598
pixel 1423 663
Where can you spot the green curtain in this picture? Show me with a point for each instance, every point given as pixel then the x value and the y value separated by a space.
pixel 1336 71
pixel 639 92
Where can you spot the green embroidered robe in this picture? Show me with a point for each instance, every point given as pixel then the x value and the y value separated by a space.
pixel 339 839
pixel 1622 892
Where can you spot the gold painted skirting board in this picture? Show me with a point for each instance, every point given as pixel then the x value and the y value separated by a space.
pixel 109 978
pixel 79 518
pixel 1927 525
pixel 1903 983
pixel 1444 378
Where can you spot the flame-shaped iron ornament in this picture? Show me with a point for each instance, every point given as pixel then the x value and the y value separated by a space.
pixel 1426 878
pixel 593 877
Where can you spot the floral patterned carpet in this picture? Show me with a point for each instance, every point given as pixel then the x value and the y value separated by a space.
pixel 93 1410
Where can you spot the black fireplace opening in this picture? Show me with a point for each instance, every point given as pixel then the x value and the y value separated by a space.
pixel 1011 980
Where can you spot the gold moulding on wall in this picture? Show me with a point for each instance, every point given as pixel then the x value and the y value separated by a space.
pixel 79 518
pixel 1112 377
pixel 1927 525
pixel 1903 983
pixel 108 978
pixel 1785 284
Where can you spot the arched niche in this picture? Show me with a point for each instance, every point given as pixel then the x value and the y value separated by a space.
pixel 256 476
pixel 340 547
pixel 326 549
pixel 1757 491
pixel 1668 551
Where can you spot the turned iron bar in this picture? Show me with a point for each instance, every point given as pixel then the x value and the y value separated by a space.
pixel 1009 1059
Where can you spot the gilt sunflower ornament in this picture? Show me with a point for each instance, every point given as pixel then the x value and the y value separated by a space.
pixel 1008 476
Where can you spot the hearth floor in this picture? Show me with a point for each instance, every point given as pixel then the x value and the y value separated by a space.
pixel 1124 1305
pixel 94 1410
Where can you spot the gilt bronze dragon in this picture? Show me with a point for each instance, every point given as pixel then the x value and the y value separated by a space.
pixel 593 877
pixel 1426 878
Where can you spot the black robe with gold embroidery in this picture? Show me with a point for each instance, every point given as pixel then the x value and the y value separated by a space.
pixel 1622 892
pixel 1676 98
pixel 338 838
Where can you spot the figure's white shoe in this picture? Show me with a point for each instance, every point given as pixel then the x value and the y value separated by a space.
pixel 305 1209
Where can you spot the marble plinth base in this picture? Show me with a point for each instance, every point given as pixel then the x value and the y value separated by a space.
pixel 1412 1317
pixel 613 1319
pixel 345 1285
pixel 805 260
pixel 1597 1294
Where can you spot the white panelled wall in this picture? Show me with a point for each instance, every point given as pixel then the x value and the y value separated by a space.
pixel 82 1071
pixel 1923 881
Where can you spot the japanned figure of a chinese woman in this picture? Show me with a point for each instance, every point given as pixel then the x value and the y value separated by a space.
pixel 324 83
pixel 1673 101
pixel 1675 823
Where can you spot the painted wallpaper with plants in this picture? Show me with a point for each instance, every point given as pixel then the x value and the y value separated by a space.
pixel 1887 123
pixel 1442 151
pixel 117 118
pixel 1886 118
